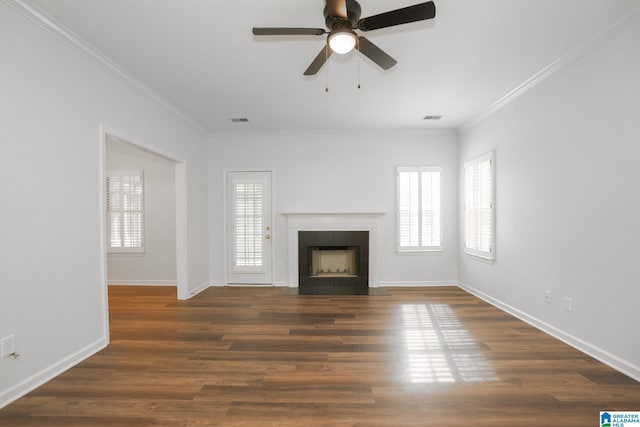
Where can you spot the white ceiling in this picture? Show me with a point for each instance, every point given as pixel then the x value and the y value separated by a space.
pixel 201 56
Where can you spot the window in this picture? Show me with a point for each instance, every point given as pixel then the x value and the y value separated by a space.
pixel 478 209
pixel 248 199
pixel 125 212
pixel 419 212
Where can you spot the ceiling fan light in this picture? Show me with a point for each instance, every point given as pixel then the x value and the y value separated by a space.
pixel 342 41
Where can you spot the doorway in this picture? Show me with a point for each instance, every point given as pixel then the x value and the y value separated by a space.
pixel 141 216
pixel 249 229
pixel 177 222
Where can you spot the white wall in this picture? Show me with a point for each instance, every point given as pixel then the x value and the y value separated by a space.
pixel 52 101
pixel 343 172
pixel 157 264
pixel 567 202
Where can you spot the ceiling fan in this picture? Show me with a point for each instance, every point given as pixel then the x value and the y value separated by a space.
pixel 342 18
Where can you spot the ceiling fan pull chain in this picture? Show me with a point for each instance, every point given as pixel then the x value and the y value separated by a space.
pixel 358 41
pixel 326 71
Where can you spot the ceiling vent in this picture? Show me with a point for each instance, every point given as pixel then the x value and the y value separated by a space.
pixel 432 117
pixel 240 120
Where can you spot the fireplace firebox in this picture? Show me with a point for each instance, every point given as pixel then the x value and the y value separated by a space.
pixel 333 262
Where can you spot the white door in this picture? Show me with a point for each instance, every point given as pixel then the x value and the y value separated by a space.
pixel 249 228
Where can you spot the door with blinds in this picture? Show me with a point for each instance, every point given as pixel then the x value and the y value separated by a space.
pixel 249 228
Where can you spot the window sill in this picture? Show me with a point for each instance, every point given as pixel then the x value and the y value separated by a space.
pixel 435 251
pixel 481 257
pixel 126 252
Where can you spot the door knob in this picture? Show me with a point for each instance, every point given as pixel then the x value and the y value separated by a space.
pixel 268 236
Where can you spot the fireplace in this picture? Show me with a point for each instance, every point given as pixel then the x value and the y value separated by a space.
pixel 333 262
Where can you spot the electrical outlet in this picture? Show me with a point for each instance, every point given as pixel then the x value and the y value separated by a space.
pixel 8 346
pixel 547 297
pixel 567 304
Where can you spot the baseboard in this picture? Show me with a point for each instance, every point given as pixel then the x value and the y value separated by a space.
pixel 22 388
pixel 243 285
pixel 196 291
pixel 408 284
pixel 597 353
pixel 253 285
pixel 142 283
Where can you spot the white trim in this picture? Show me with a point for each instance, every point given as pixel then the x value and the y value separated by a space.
pixel 274 235
pixel 142 144
pixel 126 282
pixel 219 284
pixel 33 382
pixel 252 285
pixel 597 353
pixel 421 252
pixel 479 258
pixel 389 133
pixel 422 248
pixel 314 221
pixel 102 169
pixel 197 290
pixel 225 174
pixel 74 41
pixel 417 284
pixel 311 214
pixel 489 256
pixel 225 229
pixel 557 65
pixel 182 231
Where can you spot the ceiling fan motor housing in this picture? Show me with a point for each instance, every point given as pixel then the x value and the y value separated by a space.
pixel 351 21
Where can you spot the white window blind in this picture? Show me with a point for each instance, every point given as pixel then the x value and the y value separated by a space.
pixel 479 202
pixel 419 208
pixel 248 199
pixel 125 212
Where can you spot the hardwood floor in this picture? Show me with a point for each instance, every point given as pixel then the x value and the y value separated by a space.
pixel 259 357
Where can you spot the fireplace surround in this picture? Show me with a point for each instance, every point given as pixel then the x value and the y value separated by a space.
pixel 332 221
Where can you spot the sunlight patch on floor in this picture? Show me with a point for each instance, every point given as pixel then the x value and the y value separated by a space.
pixel 438 349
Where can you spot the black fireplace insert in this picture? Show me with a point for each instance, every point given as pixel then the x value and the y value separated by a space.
pixel 333 262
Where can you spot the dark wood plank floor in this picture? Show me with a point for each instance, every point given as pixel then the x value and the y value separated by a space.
pixel 258 357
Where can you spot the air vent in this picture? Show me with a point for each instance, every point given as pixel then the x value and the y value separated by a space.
pixel 432 117
pixel 240 120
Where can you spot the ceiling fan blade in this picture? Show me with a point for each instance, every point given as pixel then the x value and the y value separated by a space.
pixel 417 12
pixel 317 63
pixel 337 8
pixel 375 54
pixel 275 31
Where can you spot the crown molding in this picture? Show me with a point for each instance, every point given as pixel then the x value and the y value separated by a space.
pixel 578 52
pixel 336 133
pixel 74 41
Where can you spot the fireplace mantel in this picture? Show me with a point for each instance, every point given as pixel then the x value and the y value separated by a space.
pixel 337 221
pixel 337 214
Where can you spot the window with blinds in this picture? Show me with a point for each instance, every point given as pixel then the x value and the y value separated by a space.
pixel 479 203
pixel 419 209
pixel 248 199
pixel 125 212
